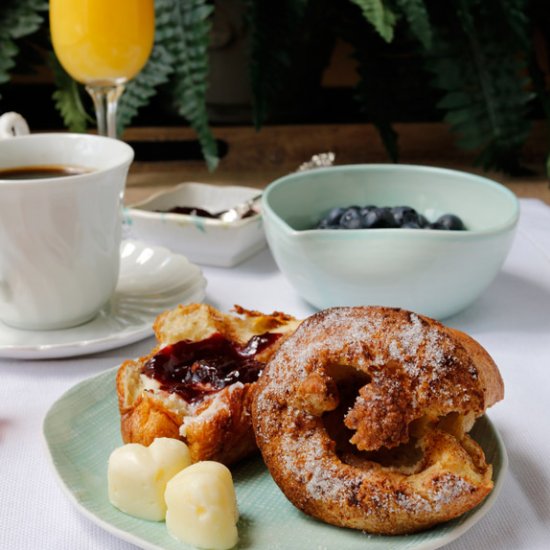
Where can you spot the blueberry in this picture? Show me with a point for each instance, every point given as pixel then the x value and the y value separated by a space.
pixel 378 218
pixel 333 216
pixel 324 224
pixel 351 218
pixel 411 225
pixel 404 214
pixel 370 217
pixel 366 209
pixel 449 222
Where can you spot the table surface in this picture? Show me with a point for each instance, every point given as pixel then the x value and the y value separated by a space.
pixel 511 320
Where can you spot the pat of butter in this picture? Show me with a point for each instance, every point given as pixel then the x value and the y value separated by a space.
pixel 137 476
pixel 202 506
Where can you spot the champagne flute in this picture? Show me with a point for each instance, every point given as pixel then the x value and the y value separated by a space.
pixel 103 44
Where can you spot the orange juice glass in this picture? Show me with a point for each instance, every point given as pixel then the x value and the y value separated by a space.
pixel 103 44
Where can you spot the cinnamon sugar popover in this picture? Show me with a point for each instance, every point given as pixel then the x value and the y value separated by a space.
pixel 196 384
pixel 362 418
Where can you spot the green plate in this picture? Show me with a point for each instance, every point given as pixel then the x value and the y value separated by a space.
pixel 82 429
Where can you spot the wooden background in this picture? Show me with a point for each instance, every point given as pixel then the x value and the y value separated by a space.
pixel 256 158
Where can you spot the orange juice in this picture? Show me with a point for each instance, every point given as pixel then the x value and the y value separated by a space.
pixel 102 41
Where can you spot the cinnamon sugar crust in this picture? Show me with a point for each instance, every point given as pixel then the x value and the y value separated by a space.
pixel 362 418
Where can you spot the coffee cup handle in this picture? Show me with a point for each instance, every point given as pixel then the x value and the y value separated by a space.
pixel 12 125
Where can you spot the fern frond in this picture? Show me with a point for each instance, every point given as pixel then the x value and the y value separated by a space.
pixel 274 27
pixel 139 91
pixel 514 13
pixel 417 17
pixel 374 92
pixel 18 18
pixel 9 51
pixel 157 71
pixel 486 93
pixel 380 16
pixel 187 42
pixel 67 98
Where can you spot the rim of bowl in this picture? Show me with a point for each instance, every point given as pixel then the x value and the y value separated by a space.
pixel 505 226
pixel 137 210
pixel 126 150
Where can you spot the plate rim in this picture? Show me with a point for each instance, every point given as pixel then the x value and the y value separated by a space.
pixel 431 544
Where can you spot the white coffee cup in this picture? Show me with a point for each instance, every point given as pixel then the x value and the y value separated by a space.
pixel 60 236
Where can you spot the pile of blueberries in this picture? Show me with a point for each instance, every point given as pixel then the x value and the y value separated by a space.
pixel 373 217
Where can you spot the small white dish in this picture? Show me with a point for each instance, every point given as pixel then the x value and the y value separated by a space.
pixel 82 428
pixel 207 241
pixel 152 280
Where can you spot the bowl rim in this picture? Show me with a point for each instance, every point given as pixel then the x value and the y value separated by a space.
pixel 136 209
pixel 434 233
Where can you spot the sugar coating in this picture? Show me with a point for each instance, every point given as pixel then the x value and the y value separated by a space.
pixel 415 368
pixel 424 354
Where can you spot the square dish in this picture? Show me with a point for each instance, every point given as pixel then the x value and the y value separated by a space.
pixel 206 241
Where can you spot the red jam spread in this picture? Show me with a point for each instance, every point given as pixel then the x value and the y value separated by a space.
pixel 195 369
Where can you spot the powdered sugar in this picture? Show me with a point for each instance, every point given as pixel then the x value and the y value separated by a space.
pixel 407 359
pixel 448 488
pixel 423 351
pixel 412 503
pixel 308 464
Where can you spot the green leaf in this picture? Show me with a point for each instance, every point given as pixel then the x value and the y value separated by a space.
pixel 18 18
pixel 9 51
pixel 479 69
pixel 379 16
pixel 417 17
pixel 375 91
pixel 187 42
pixel 67 98
pixel 139 91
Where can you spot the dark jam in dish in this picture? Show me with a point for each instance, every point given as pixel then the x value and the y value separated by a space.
pixel 201 212
pixel 190 210
pixel 195 369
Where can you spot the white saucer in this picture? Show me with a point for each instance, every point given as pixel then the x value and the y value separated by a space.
pixel 152 279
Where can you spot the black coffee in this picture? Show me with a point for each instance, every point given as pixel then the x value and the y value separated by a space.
pixel 41 172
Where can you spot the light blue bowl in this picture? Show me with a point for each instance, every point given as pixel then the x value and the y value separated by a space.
pixel 433 272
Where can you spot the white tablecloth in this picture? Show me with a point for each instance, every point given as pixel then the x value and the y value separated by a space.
pixel 511 319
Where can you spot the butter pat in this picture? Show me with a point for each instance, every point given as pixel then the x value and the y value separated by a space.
pixel 137 476
pixel 202 506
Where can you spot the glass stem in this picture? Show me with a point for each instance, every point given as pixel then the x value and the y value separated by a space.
pixel 105 98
